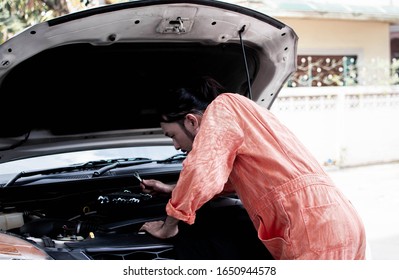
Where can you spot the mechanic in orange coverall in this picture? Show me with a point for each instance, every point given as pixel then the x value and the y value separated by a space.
pixel 233 144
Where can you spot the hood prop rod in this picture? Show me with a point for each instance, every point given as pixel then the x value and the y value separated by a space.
pixel 245 62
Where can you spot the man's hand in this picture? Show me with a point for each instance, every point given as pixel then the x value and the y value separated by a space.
pixel 154 186
pixel 162 229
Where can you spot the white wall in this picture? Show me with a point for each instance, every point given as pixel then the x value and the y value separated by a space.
pixel 345 126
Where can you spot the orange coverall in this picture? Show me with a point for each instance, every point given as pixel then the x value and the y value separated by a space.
pixel 297 210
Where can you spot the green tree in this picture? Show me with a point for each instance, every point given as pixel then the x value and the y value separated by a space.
pixel 16 15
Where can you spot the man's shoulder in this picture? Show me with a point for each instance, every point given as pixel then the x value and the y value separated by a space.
pixel 229 96
pixel 232 98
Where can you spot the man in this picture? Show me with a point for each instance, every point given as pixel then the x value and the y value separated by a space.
pixel 235 145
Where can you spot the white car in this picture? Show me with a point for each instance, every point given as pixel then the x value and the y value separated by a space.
pixel 78 120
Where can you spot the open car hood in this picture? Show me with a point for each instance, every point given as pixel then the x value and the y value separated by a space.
pixel 90 78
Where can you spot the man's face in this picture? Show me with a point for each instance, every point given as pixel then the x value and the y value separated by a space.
pixel 181 136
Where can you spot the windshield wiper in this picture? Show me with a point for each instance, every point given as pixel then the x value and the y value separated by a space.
pixel 107 165
pixel 75 167
pixel 118 163
pixel 106 162
pixel 175 158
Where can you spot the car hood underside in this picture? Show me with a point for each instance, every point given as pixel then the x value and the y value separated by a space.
pixel 91 77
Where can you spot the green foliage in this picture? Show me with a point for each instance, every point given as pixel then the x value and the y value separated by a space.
pixel 395 72
pixel 16 15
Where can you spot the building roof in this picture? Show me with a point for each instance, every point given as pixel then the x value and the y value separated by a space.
pixel 387 11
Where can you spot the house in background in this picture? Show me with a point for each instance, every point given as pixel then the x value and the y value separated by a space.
pixel 343 100
pixel 343 43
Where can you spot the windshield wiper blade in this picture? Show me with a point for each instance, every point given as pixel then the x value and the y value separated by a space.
pixel 121 164
pixel 38 172
pixel 94 163
pixel 174 158
pixel 107 165
pixel 80 166
pixel 177 157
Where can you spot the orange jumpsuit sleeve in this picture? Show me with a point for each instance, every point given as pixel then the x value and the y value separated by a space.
pixel 207 167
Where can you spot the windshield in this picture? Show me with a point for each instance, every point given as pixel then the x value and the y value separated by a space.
pixel 66 159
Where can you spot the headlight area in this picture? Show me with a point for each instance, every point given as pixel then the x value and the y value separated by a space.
pixel 15 248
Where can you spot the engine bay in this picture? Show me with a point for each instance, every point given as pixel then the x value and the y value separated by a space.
pixel 85 219
pixel 100 219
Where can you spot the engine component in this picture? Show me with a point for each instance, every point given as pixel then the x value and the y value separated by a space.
pixel 125 197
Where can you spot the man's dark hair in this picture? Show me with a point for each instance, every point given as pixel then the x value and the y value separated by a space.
pixel 193 96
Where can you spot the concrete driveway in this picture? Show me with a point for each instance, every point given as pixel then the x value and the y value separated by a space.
pixel 374 190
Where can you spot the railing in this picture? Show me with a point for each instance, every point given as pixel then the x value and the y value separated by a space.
pixel 323 70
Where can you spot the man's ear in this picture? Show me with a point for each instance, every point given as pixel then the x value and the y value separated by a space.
pixel 192 121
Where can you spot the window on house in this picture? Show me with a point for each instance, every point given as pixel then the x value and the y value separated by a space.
pixel 395 61
pixel 325 70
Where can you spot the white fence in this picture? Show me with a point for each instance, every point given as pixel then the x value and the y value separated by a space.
pixel 344 126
